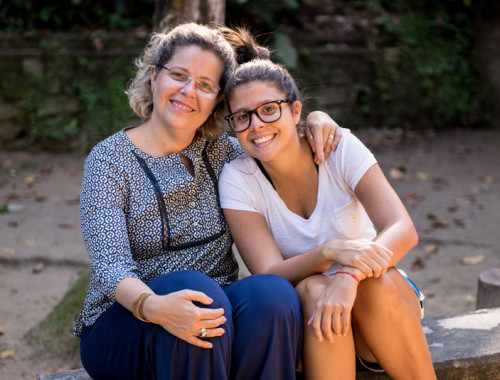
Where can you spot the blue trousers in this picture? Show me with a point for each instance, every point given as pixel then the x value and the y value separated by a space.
pixel 262 340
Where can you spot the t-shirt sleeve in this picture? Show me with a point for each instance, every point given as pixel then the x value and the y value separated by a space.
pixel 234 193
pixel 353 159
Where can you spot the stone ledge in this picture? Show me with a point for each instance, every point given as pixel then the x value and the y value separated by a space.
pixel 464 346
pixel 74 374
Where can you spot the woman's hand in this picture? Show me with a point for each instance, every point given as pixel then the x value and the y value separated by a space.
pixel 177 314
pixel 368 256
pixel 323 134
pixel 332 314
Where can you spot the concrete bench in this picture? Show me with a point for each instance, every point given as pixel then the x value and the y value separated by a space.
pixel 463 347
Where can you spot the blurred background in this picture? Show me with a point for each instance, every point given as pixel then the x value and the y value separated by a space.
pixel 409 64
pixel 417 80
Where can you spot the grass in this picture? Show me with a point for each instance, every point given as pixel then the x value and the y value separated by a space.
pixel 55 332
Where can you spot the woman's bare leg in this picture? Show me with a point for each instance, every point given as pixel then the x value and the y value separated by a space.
pixel 387 328
pixel 323 360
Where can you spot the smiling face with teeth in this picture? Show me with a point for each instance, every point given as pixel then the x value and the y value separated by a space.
pixel 180 109
pixel 265 141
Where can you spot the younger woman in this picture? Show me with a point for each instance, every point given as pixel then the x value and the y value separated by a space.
pixel 335 230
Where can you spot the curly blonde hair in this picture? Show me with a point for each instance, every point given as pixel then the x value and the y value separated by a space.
pixel 161 48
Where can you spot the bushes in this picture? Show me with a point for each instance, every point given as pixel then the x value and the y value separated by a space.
pixel 430 82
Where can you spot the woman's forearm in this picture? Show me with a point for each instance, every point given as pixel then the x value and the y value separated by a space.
pixel 399 237
pixel 299 267
pixel 128 290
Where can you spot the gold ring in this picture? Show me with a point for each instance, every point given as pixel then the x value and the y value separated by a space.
pixel 331 136
pixel 203 333
pixel 311 136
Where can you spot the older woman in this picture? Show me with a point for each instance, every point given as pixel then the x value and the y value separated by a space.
pixel 163 300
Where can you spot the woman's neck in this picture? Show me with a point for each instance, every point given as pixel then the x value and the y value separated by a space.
pixel 297 161
pixel 158 141
pixel 295 178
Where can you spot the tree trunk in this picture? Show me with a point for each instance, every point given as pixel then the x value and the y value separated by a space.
pixel 169 13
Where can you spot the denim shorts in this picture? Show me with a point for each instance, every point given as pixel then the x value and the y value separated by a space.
pixel 363 365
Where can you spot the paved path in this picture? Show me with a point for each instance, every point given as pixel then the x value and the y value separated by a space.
pixel 449 182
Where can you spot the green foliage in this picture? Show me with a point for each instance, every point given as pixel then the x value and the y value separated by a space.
pixel 55 332
pixel 430 81
pixel 424 74
pixel 16 16
pixel 77 103
pixel 106 108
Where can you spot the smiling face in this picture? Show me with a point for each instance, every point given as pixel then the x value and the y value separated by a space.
pixel 266 141
pixel 177 106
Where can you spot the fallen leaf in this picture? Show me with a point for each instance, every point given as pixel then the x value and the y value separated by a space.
pixel 66 226
pixel 40 198
pixel 440 183
pixel 431 248
pixel 463 201
pixel 13 224
pixel 13 197
pixel 47 169
pixel 459 222
pixel 487 179
pixel 398 174
pixel 7 164
pixel 2 330
pixel 413 199
pixel 38 268
pixel 418 264
pixel 30 242
pixel 437 222
pixel 428 293
pixel 30 180
pixel 472 260
pixel 7 250
pixel 5 354
pixel 461 149
pixel 72 202
pixel 423 176
pixel 475 190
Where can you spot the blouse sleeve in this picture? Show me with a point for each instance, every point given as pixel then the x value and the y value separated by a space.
pixel 103 222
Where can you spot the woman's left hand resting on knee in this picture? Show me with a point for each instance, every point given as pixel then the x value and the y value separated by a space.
pixel 332 314
pixel 175 312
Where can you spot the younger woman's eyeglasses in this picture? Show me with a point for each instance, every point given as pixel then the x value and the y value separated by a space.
pixel 267 113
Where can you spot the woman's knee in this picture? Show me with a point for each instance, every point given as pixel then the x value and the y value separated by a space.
pixel 310 288
pixel 270 293
pixel 193 280
pixel 387 293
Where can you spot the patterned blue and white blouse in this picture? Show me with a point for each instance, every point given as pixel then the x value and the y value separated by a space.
pixel 143 216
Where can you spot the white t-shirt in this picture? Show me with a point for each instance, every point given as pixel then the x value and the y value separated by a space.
pixel 338 213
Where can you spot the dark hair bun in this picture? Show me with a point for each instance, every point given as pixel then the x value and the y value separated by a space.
pixel 244 45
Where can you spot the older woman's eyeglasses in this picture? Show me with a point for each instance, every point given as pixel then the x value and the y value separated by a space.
pixel 205 87
pixel 268 113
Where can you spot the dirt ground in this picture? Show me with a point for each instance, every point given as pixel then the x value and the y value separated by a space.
pixel 450 183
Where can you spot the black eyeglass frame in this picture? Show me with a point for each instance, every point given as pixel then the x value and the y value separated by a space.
pixel 254 111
